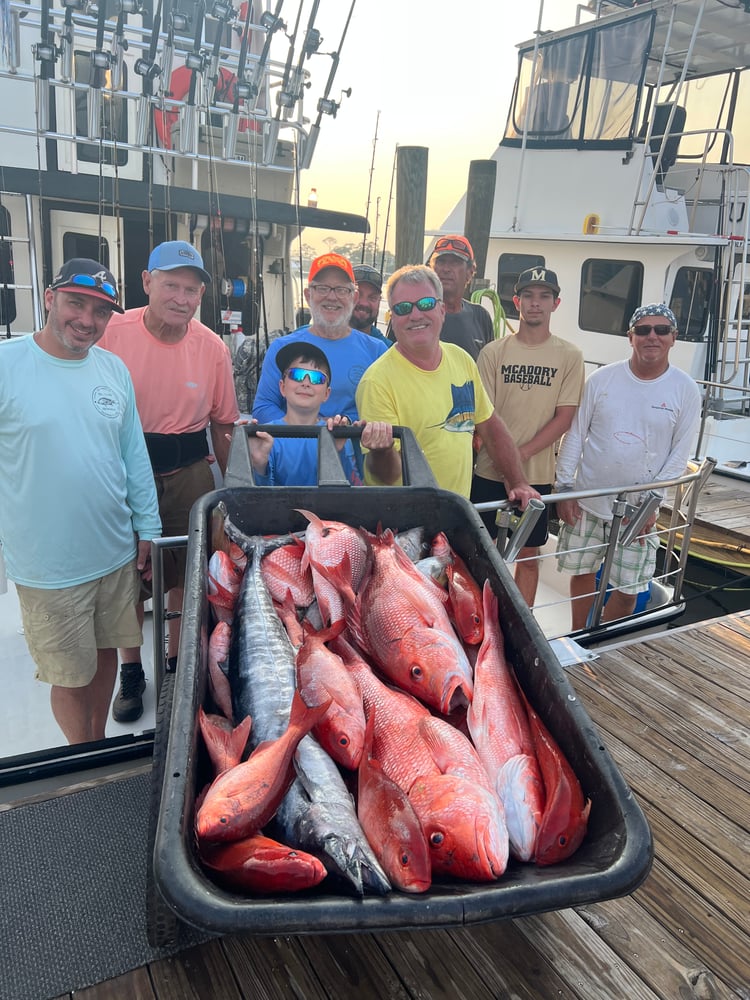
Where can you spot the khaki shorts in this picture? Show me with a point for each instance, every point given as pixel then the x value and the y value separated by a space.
pixel 65 627
pixel 632 567
pixel 177 493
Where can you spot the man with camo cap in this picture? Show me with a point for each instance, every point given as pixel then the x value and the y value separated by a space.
pixel 635 424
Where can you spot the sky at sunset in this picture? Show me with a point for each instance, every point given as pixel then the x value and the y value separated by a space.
pixel 440 73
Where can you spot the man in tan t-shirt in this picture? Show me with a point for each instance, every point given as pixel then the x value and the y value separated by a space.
pixel 535 381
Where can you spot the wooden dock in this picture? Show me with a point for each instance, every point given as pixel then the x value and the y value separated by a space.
pixel 721 532
pixel 674 712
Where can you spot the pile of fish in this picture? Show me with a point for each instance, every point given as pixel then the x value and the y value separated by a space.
pixel 364 714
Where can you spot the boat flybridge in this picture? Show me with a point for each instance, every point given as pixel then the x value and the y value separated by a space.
pixel 625 167
pixel 128 122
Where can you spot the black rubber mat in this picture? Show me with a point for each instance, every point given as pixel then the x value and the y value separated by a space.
pixel 73 890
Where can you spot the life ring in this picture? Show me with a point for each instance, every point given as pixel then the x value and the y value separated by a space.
pixel 179 86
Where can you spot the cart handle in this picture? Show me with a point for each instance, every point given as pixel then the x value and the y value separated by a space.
pixel 416 469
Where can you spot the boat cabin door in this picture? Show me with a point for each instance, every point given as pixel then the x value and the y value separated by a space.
pixel 85 234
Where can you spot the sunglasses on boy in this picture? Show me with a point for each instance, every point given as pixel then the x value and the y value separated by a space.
pixel 644 329
pixel 300 374
pixel 424 305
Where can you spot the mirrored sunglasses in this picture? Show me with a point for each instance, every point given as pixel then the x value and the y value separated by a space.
pixel 300 374
pixel 643 330
pixel 87 281
pixel 424 305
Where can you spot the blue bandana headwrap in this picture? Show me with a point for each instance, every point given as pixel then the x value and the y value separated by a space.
pixel 655 309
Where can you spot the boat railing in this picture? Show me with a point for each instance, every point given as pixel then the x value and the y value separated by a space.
pixel 633 507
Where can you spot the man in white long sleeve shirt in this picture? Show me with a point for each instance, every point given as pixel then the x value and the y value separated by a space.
pixel 635 424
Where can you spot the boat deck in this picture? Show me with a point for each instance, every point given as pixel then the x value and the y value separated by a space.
pixel 674 712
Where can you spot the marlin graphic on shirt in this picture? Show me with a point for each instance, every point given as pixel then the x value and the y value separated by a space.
pixel 461 416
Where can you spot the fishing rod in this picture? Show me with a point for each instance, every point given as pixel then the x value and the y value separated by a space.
pixel 45 52
pixel 388 211
pixel 291 87
pixel 99 63
pixel 66 38
pixel 119 42
pixel 148 69
pixel 195 61
pixel 272 23
pixel 325 105
pixel 244 89
pixel 223 12
pixel 369 188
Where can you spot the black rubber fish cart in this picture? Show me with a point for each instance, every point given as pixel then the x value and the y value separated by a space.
pixel 616 853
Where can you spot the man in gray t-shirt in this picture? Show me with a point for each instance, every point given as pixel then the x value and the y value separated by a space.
pixel 466 324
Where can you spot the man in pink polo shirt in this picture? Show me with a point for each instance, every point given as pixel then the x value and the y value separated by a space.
pixel 182 373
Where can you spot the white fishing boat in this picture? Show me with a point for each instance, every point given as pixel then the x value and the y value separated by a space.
pixel 125 123
pixel 625 167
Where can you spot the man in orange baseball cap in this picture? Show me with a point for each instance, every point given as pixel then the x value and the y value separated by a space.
pixel 331 295
pixel 466 324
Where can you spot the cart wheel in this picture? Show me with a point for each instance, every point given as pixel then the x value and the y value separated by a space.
pixel 162 926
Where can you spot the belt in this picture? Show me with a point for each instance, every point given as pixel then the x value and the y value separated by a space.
pixel 169 452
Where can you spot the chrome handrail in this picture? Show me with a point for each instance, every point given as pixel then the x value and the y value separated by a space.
pixel 628 520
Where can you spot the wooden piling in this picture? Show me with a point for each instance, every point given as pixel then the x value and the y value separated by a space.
pixel 411 202
pixel 480 196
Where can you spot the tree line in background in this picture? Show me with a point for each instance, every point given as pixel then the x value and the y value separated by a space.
pixel 373 255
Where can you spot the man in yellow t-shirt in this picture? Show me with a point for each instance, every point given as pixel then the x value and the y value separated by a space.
pixel 435 389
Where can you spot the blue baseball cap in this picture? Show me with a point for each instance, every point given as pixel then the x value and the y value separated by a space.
pixel 177 253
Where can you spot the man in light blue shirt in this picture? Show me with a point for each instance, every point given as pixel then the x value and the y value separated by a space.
pixel 78 505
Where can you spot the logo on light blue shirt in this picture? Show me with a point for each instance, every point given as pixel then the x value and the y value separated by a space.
pixel 106 402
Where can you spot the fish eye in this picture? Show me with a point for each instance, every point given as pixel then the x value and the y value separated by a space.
pixel 476 619
pixel 416 672
pixel 405 859
pixel 344 741
pixel 437 838
pixel 562 840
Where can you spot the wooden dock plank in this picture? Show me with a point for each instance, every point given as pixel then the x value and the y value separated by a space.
pixel 201 971
pixel 662 959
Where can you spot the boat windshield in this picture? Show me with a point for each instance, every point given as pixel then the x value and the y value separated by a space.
pixel 582 88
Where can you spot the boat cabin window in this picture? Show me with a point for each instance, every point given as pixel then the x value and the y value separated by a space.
pixel 581 89
pixel 85 245
pixel 7 271
pixel 610 294
pixel 690 301
pixel 114 119
pixel 509 266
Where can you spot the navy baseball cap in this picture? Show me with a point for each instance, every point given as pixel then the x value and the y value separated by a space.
pixel 177 253
pixel 88 277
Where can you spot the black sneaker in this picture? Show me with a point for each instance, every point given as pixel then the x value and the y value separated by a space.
pixel 128 705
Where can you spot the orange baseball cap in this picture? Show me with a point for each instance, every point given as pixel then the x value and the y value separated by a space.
pixel 331 260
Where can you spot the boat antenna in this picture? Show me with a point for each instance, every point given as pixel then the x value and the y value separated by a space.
pixel 369 189
pixel 325 105
pixel 388 210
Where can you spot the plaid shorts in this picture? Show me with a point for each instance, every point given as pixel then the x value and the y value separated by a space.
pixel 581 549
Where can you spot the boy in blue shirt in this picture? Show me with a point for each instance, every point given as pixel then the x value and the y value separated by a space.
pixel 305 384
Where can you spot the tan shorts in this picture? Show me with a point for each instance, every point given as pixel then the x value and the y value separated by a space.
pixel 177 493
pixel 581 549
pixel 65 627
